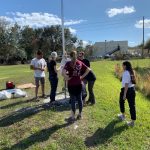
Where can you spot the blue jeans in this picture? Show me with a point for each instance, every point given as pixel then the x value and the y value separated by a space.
pixel 54 84
pixel 75 98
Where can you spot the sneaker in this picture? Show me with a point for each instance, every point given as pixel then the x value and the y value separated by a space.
pixel 79 117
pixel 70 120
pixel 121 117
pixel 130 123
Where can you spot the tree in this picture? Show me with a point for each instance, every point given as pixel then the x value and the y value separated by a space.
pixel 147 45
pixel 89 50
pixel 19 43
pixel 80 46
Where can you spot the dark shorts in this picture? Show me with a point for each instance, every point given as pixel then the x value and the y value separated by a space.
pixel 39 79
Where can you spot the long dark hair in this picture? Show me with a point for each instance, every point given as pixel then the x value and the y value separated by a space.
pixel 130 69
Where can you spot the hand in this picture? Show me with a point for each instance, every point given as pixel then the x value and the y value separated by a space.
pixel 42 69
pixel 67 78
pixel 124 97
pixel 81 78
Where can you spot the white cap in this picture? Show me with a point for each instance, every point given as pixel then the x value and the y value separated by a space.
pixel 54 54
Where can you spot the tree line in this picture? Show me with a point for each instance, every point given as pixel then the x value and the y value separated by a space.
pixel 20 43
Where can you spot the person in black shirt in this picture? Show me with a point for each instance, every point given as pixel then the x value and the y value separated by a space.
pixel 53 78
pixel 90 79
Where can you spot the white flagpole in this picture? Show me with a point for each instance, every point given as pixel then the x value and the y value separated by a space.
pixel 63 34
pixel 62 21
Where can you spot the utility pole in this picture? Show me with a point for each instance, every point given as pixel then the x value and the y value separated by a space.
pixel 63 37
pixel 143 40
pixel 105 47
pixel 62 22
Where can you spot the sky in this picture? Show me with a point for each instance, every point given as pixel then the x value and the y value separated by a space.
pixel 90 20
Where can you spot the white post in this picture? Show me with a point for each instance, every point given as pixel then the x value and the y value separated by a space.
pixel 62 22
pixel 63 35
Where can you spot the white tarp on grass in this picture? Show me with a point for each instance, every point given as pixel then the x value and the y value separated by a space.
pixel 12 93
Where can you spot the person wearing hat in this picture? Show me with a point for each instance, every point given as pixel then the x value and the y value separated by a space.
pixel 53 78
pixel 90 79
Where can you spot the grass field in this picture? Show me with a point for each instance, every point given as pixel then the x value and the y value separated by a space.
pixel 38 128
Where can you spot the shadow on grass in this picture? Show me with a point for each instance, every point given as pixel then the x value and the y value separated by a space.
pixel 23 102
pixel 101 136
pixel 19 115
pixel 26 112
pixel 40 136
pixel 17 103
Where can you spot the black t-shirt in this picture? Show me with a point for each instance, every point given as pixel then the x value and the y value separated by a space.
pixel 51 70
pixel 91 76
pixel 86 62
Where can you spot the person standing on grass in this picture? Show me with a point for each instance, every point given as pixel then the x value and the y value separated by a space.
pixel 90 79
pixel 53 77
pixel 128 92
pixel 64 60
pixel 38 64
pixel 72 74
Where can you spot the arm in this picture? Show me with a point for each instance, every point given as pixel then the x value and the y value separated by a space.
pixel 86 73
pixel 56 69
pixel 125 91
pixel 64 74
pixel 34 68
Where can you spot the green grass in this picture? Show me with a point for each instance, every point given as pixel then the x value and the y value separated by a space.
pixel 44 129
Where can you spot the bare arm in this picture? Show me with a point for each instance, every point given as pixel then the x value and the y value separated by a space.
pixel 125 90
pixel 86 73
pixel 64 74
pixel 33 68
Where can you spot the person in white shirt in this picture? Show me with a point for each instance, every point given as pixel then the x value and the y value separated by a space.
pixel 64 60
pixel 38 64
pixel 128 92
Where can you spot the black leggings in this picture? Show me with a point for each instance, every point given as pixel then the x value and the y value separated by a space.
pixel 131 101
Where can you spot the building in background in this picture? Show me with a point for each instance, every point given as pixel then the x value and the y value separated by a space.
pixel 109 47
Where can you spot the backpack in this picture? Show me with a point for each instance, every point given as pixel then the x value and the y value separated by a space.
pixel 10 85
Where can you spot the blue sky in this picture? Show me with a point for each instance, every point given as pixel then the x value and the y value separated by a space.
pixel 90 20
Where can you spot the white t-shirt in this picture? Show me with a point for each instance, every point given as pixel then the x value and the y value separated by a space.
pixel 126 78
pixel 38 63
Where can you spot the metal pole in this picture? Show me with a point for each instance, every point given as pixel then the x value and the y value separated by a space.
pixel 62 22
pixel 143 40
pixel 63 36
pixel 105 47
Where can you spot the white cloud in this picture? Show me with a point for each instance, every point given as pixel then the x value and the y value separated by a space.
pixel 36 19
pixel 85 43
pixel 73 22
pixel 6 18
pixel 131 42
pixel 116 11
pixel 139 24
pixel 73 31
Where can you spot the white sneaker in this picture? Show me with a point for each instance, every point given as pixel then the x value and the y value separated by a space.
pixel 130 123
pixel 121 117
